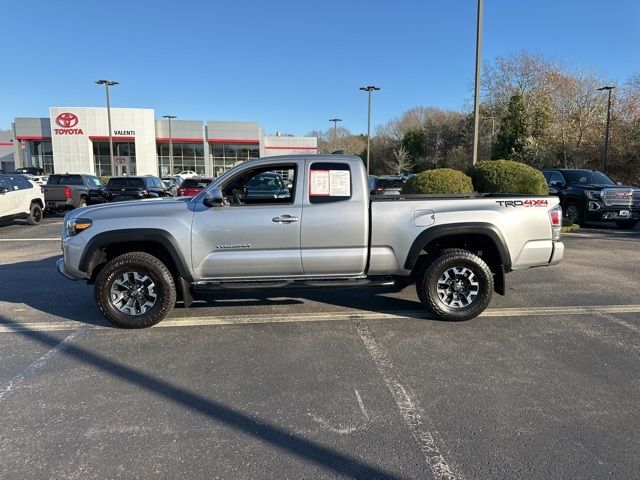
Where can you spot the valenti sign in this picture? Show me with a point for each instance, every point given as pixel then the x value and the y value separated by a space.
pixel 67 123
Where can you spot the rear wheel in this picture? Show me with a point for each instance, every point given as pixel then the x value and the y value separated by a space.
pixel 626 224
pixel 83 202
pixel 35 214
pixel 457 285
pixel 135 290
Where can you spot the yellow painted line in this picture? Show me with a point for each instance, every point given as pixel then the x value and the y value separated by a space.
pixel 213 320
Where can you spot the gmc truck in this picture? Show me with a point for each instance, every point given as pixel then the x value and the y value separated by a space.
pixel 67 191
pixel 322 230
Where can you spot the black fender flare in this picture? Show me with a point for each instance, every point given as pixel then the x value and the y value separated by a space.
pixel 152 235
pixel 459 229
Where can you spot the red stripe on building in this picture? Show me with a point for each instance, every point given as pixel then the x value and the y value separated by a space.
pixel 6 144
pixel 106 138
pixel 292 148
pixel 179 140
pixel 27 137
pixel 231 140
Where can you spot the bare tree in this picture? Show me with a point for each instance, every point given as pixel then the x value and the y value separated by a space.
pixel 400 161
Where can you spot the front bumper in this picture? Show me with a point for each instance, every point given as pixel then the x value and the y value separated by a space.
pixel 598 211
pixel 557 253
pixel 62 270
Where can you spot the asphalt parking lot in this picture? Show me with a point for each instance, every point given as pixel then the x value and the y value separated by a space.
pixel 324 383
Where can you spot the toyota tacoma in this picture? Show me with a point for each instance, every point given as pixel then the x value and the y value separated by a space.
pixel 322 229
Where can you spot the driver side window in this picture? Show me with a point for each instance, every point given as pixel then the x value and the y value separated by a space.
pixel 262 186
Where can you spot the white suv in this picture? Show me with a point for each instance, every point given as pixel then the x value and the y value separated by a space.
pixel 20 198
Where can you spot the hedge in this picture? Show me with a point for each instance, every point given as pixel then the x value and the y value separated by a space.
pixel 437 181
pixel 507 176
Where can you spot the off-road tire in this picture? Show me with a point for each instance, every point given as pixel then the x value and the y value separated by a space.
pixel 427 282
pixel 626 224
pixel 35 214
pixel 142 263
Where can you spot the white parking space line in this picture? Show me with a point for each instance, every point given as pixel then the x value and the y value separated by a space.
pixel 213 320
pixel 409 409
pixel 619 321
pixel 30 239
pixel 39 364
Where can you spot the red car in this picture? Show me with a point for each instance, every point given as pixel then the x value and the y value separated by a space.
pixel 193 186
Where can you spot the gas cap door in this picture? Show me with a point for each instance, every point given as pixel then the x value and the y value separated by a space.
pixel 424 218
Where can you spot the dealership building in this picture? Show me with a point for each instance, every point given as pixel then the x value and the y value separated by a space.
pixel 76 139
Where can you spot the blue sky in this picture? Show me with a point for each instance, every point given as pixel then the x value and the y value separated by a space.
pixel 290 65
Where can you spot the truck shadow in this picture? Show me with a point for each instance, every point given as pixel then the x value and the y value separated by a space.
pixel 37 284
pixel 269 432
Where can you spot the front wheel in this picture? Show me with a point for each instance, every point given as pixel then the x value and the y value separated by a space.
pixel 626 224
pixel 135 290
pixel 457 285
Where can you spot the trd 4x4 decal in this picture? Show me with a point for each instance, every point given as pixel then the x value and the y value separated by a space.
pixel 523 203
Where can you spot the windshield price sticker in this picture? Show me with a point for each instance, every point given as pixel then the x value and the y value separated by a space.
pixel 329 183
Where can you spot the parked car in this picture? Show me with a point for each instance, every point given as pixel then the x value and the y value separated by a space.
pixel 266 185
pixel 30 170
pixel 135 188
pixel 172 186
pixel 327 232
pixel 187 174
pixel 39 179
pixel 193 186
pixel 20 198
pixel 589 195
pixel 71 190
pixel 385 185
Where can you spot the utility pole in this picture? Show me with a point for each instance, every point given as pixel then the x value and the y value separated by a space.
pixel 169 117
pixel 369 89
pixel 476 97
pixel 606 132
pixel 107 84
pixel 335 132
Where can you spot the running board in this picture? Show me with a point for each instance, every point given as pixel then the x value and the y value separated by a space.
pixel 323 283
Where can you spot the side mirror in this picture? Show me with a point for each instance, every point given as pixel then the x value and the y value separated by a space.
pixel 214 198
pixel 3 190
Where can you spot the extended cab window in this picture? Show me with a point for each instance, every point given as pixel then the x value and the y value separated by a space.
pixel 262 186
pixel 329 182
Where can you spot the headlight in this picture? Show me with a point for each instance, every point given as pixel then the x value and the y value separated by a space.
pixel 592 194
pixel 76 225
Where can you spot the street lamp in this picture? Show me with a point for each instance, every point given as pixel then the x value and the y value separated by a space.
pixel 606 134
pixel 169 117
pixel 476 96
pixel 335 131
pixel 107 84
pixel 369 89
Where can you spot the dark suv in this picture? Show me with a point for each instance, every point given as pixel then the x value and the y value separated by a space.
pixel 589 195
pixel 135 188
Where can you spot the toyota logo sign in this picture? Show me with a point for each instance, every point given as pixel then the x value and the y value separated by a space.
pixel 67 120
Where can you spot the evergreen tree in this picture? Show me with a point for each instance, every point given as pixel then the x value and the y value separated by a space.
pixel 511 138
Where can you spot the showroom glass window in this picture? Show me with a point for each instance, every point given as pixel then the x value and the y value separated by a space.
pixel 186 156
pixel 102 160
pixel 41 153
pixel 227 155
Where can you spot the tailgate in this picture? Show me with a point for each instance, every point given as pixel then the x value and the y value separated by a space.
pixel 54 193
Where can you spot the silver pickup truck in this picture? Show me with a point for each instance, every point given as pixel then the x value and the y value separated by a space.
pixel 305 219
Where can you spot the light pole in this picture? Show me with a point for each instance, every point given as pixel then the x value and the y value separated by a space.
pixel 107 84
pixel 335 131
pixel 606 132
pixel 169 117
pixel 476 96
pixel 369 89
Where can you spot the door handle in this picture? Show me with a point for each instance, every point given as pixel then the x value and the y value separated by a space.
pixel 285 219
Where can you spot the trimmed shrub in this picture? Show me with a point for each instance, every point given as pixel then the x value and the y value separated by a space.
pixel 440 180
pixel 507 176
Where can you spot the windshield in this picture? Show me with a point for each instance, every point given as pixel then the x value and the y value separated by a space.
pixel 587 177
